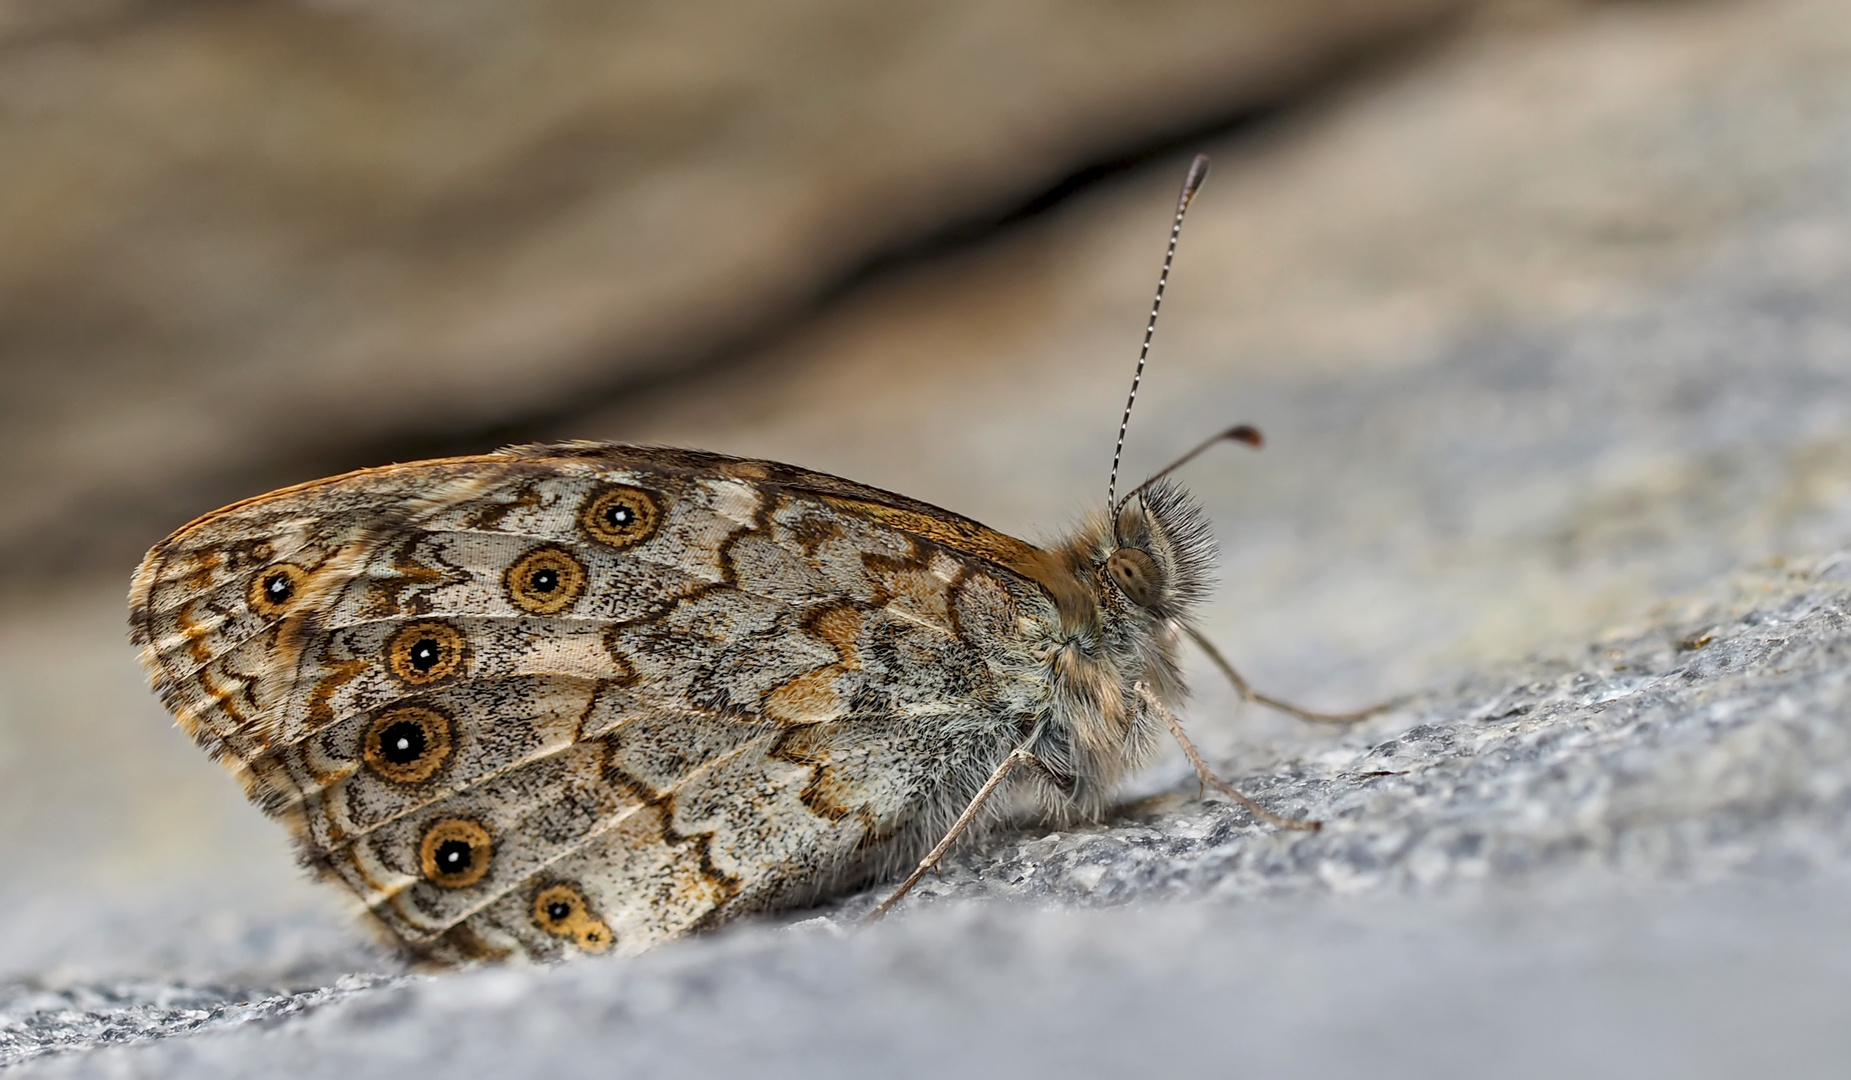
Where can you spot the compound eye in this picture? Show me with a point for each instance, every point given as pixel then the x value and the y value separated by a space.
pixel 1137 576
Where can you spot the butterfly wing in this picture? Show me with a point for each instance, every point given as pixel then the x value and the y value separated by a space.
pixel 589 696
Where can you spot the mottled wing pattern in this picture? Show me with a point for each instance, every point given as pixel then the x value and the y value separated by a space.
pixel 591 697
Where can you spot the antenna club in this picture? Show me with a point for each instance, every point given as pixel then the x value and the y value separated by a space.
pixel 1198 172
pixel 1245 433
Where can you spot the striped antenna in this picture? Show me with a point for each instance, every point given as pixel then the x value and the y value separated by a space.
pixel 1198 172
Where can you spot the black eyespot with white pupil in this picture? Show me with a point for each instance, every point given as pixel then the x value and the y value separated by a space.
pixel 272 589
pixel 409 743
pixel 425 653
pixel 455 853
pixel 620 516
pixel 560 909
pixel 402 743
pixel 546 580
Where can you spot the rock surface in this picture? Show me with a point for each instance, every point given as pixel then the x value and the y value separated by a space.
pixel 1550 337
pixel 1716 747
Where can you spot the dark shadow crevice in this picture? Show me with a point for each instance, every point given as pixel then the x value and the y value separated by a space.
pixel 114 528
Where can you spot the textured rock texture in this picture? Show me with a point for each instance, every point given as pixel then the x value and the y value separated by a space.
pixel 1549 333
pixel 1716 747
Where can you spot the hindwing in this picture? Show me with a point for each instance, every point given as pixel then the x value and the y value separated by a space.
pixel 588 696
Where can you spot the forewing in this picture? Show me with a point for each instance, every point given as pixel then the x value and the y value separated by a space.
pixel 529 702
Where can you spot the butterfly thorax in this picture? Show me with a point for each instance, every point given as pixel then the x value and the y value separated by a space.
pixel 1124 594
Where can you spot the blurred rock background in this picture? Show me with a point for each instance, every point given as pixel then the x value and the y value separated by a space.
pixel 1545 307
pixel 248 242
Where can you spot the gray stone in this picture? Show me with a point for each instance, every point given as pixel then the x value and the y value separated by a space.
pixel 1513 876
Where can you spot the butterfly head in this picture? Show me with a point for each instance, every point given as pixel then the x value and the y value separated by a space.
pixel 1158 558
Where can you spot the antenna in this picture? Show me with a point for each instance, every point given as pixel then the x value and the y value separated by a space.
pixel 1240 433
pixel 1198 172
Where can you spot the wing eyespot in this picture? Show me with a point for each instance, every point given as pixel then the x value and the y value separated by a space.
pixel 546 581
pixel 408 744
pixel 561 910
pixel 455 853
pixel 271 591
pixel 427 652
pixel 620 515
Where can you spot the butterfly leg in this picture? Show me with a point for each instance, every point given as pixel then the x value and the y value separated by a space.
pixel 1207 776
pixel 1248 693
pixel 1017 758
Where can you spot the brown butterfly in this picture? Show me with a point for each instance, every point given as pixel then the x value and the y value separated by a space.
pixel 593 697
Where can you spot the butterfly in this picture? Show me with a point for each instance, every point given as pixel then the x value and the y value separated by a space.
pixel 586 698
